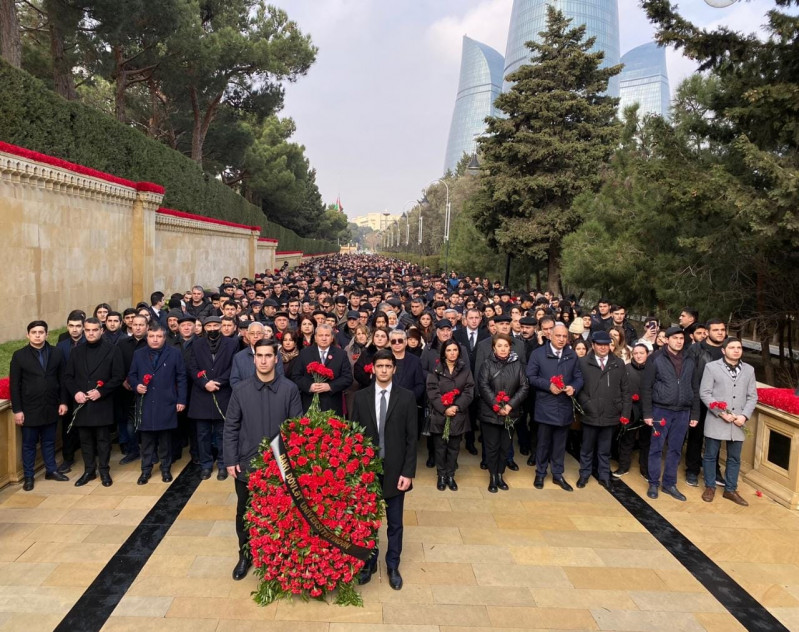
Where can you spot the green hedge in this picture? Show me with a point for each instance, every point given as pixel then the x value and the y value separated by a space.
pixel 34 117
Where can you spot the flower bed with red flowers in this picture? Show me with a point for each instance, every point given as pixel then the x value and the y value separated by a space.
pixel 780 398
pixel 337 469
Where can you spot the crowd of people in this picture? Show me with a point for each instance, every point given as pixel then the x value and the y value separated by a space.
pixel 448 361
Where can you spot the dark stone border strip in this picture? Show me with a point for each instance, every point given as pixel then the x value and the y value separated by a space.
pixel 96 604
pixel 739 603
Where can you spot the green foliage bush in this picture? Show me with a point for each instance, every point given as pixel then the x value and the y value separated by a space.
pixel 36 118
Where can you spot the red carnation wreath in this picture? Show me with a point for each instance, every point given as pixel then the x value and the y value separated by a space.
pixel 336 468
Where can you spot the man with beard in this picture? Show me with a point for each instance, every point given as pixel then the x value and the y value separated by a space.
pixel 94 371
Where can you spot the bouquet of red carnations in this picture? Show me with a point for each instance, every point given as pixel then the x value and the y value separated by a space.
pixel 300 531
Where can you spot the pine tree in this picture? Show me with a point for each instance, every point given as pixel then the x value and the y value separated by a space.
pixel 557 130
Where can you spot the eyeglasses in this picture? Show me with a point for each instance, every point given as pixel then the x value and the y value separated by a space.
pixel 397 341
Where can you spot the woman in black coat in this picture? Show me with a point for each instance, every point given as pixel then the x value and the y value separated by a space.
pixel 503 371
pixel 636 428
pixel 451 373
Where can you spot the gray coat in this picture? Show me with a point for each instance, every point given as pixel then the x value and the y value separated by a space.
pixel 740 395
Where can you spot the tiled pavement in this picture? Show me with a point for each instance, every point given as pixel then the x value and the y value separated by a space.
pixel 525 559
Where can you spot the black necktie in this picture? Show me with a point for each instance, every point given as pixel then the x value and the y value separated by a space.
pixel 381 423
pixel 41 359
pixel 471 341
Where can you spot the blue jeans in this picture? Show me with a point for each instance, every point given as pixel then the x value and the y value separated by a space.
pixel 209 434
pixel 732 467
pixel 31 435
pixel 671 435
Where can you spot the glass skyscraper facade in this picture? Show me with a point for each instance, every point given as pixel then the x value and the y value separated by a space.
pixel 645 80
pixel 529 18
pixel 480 83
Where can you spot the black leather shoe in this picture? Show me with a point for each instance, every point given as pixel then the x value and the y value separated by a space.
pixel 531 460
pixel 561 482
pixel 471 449
pixel 394 579
pixel 240 570
pixel 369 569
pixel 582 482
pixel 483 465
pixel 652 492
pixel 501 483
pixel 452 484
pixel 56 476
pixel 492 484
pixel 145 476
pixel 538 483
pixel 130 457
pixel 430 462
pixel 65 467
pixel 511 464
pixel 441 485
pixel 28 484
pixel 674 493
pixel 166 476
pixel 607 484
pixel 85 478
pixel 222 475
pixel 106 480
pixel 205 474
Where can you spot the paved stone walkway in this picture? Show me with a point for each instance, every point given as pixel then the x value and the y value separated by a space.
pixel 525 559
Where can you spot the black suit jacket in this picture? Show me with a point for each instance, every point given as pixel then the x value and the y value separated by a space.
pixel 338 362
pixel 462 336
pixel 400 432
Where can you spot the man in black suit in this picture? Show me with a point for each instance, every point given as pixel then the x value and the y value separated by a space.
pixel 469 337
pixel 37 399
pixel 388 414
pixel 335 359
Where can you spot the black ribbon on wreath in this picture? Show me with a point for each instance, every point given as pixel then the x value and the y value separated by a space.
pixel 320 528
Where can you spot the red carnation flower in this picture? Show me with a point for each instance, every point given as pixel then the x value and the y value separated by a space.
pixel 636 397
pixel 369 368
pixel 100 384
pixel 201 374
pixel 147 379
pixel 558 382
pixel 624 421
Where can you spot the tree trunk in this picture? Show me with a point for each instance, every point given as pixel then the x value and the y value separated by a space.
pixel 10 42
pixel 63 82
pixel 553 268
pixel 120 85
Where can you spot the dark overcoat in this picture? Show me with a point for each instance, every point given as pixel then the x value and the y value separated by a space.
pixel 216 368
pixel 555 410
pixel 89 364
pixel 605 396
pixel 37 391
pixel 167 388
pixel 441 381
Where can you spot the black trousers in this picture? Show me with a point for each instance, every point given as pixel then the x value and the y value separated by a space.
pixel 627 444
pixel 446 454
pixel 150 440
pixel 242 498
pixel 596 444
pixel 394 509
pixel 95 445
pixel 551 449
pixel 496 443
pixel 70 441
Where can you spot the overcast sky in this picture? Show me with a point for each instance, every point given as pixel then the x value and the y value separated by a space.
pixel 374 110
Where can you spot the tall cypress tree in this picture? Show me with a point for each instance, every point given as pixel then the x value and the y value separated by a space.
pixel 557 130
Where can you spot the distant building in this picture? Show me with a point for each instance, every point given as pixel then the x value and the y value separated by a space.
pixel 376 221
pixel 529 18
pixel 480 83
pixel 645 80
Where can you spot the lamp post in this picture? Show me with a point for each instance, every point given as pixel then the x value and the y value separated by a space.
pixel 447 218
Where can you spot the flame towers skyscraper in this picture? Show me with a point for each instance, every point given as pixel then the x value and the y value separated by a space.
pixel 480 83
pixel 529 18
